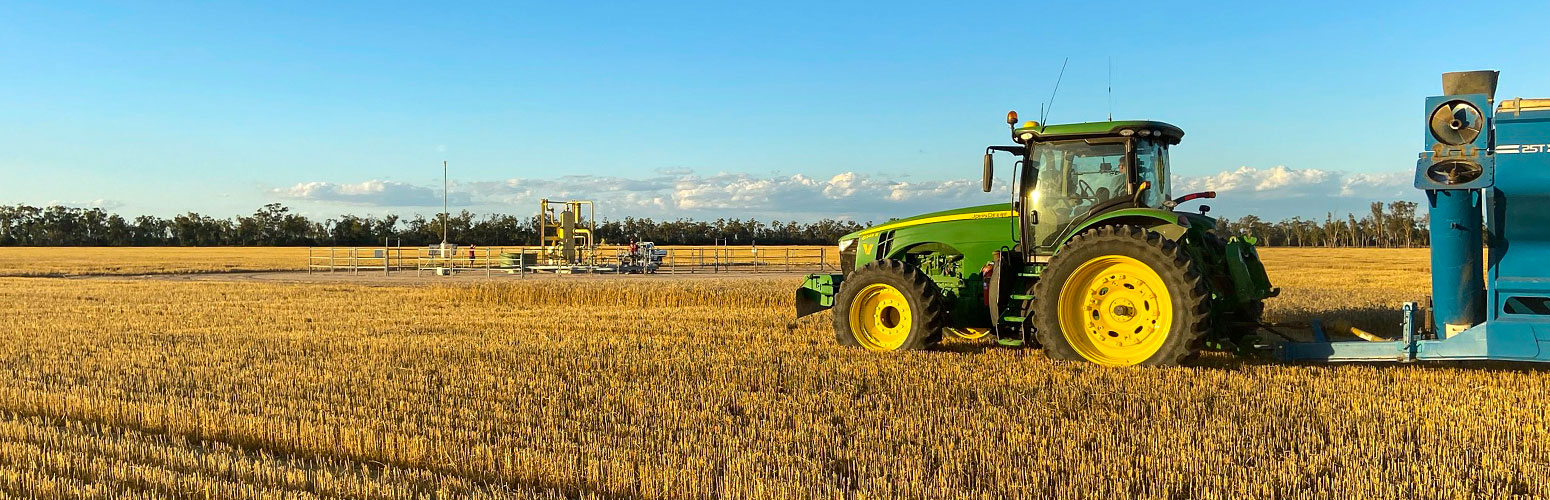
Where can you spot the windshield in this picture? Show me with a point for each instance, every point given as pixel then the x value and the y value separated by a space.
pixel 1073 178
pixel 1152 166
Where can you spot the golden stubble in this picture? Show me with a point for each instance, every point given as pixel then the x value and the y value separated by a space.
pixel 694 388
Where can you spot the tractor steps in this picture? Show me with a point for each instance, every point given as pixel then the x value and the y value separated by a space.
pixel 1021 297
pixel 1012 319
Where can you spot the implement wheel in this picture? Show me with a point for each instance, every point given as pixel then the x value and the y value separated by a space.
pixel 888 306
pixel 1121 296
pixel 969 333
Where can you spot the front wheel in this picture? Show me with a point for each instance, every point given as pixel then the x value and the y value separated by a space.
pixel 1121 296
pixel 887 305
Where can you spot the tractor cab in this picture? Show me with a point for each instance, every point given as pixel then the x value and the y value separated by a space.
pixel 1071 173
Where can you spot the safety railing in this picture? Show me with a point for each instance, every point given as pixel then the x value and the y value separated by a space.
pixel 768 259
pixel 529 259
pixel 357 259
pixel 487 260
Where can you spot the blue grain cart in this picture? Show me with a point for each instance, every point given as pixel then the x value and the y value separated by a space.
pixel 1486 174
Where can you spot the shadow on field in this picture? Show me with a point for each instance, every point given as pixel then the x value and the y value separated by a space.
pixel 957 346
pixel 1228 362
pixel 1381 321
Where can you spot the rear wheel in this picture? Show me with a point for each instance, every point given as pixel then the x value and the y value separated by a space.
pixel 1121 296
pixel 888 306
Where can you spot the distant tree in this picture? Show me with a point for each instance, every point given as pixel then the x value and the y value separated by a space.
pixel 1393 224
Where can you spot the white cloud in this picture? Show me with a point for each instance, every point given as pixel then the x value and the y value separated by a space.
pixel 101 203
pixel 681 193
pixel 1281 191
pixel 672 193
pixel 373 193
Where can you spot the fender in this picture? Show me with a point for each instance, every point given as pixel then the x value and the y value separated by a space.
pixel 1170 224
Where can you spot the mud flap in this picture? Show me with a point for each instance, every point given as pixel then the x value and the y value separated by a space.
pixel 817 293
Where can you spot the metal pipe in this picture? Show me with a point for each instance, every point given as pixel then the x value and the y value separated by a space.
pixel 1458 271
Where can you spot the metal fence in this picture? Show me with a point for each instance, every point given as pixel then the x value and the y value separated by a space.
pixel 750 259
pixel 490 260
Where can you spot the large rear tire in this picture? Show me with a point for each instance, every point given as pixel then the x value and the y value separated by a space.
pixel 1121 296
pixel 887 305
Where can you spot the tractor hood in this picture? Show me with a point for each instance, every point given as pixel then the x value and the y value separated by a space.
pixel 992 211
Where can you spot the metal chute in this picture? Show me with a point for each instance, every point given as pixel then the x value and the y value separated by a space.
pixel 1456 123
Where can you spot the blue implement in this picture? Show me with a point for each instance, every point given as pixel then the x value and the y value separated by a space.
pixel 1486 173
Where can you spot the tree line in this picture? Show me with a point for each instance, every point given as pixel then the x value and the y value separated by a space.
pixel 276 225
pixel 1396 224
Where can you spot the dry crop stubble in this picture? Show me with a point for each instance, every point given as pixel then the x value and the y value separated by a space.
pixel 123 261
pixel 1363 287
pixel 693 389
pixel 75 261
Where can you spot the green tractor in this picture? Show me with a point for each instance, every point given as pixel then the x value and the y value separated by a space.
pixel 1090 260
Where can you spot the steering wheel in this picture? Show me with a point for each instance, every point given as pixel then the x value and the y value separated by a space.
pixel 1083 190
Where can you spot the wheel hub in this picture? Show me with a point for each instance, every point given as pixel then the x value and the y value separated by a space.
pixel 880 317
pixel 1115 310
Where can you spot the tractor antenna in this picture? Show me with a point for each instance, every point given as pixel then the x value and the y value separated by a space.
pixel 1044 117
pixel 1111 88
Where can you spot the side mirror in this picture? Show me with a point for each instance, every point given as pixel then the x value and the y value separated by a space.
pixel 989 174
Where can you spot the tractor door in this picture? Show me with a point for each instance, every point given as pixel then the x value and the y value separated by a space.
pixel 1069 181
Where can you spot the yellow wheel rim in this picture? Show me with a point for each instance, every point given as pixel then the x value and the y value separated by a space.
pixel 880 317
pixel 969 333
pixel 1115 311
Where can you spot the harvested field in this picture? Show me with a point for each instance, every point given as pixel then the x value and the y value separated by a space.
pixel 694 388
pixel 76 261
pixel 129 261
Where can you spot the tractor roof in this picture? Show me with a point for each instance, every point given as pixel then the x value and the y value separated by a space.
pixel 1097 129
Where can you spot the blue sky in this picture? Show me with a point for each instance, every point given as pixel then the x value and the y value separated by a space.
pixel 785 111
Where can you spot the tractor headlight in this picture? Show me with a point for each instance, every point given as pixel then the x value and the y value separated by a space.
pixel 847 244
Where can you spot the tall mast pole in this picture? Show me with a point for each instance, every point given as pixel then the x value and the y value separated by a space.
pixel 443 205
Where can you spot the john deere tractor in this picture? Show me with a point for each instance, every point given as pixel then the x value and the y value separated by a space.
pixel 1092 259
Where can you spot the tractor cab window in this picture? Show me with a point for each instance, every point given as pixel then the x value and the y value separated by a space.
pixel 1075 177
pixel 1152 166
